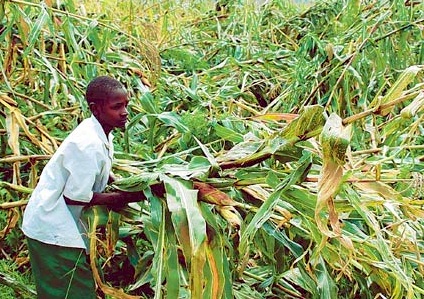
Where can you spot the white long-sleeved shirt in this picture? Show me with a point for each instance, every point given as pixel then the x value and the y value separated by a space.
pixel 79 167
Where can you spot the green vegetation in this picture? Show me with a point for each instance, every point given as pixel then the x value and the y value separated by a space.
pixel 280 147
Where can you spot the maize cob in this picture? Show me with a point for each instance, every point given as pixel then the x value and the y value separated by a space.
pixel 230 214
pixel 211 195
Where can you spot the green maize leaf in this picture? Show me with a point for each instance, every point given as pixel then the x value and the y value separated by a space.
pixel 190 228
pixel 144 271
pixel 100 213
pixel 395 91
pixel 219 279
pixel 188 222
pixel 138 182
pixel 54 83
pixel 35 32
pixel 308 124
pixel 303 201
pixel 288 153
pixel 172 267
pixel 148 103
pixel 326 286
pixel 300 278
pixel 335 139
pixel 208 155
pixel 173 120
pixel 242 150
pixel 132 253
pixel 412 109
pixel 380 251
pixel 228 134
pixel 264 212
pixel 190 93
pixel 70 34
pixel 158 241
pixel 281 236
pixel 198 167
pixel 219 283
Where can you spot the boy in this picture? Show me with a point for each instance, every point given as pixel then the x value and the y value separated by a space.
pixel 75 176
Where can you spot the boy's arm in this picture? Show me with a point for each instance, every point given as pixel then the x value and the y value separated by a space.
pixel 117 198
pixel 112 178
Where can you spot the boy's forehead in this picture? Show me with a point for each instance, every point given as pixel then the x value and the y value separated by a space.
pixel 117 94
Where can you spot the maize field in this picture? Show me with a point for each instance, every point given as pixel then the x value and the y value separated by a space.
pixel 279 145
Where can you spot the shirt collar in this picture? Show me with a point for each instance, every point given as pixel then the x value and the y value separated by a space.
pixel 107 140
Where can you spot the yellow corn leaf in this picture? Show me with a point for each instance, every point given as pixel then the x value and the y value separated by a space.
pixel 12 220
pixel 112 232
pixel 20 121
pixel 379 188
pixel 13 204
pixel 197 264
pixel 12 128
pixel 334 141
pixel 114 293
pixel 16 187
pixel 217 284
pixel 277 116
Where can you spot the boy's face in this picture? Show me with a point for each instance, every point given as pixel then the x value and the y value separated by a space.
pixel 113 113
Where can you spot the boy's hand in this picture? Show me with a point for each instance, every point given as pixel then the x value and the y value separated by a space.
pixel 123 198
pixel 131 196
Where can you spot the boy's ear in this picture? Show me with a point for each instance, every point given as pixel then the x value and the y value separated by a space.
pixel 94 108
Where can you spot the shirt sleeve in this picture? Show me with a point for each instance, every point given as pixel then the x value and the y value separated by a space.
pixel 83 166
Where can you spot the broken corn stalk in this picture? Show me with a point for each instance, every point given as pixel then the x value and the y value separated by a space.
pixel 407 76
pixel 412 109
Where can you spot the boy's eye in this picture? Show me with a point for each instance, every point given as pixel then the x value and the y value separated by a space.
pixel 117 107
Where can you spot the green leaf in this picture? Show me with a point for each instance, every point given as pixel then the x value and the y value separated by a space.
pixel 172 265
pixel 35 32
pixel 265 210
pixel 188 222
pixel 173 120
pixel 147 102
pixel 228 134
pixel 159 245
pixel 326 286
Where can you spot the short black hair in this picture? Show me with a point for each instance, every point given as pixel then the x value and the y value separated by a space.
pixel 100 88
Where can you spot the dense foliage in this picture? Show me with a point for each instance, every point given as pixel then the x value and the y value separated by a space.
pixel 280 147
